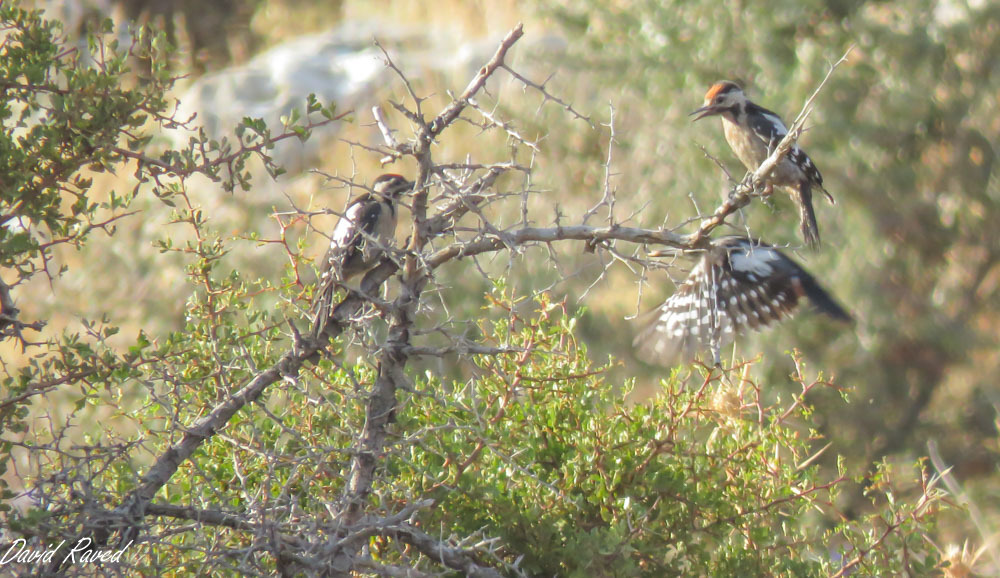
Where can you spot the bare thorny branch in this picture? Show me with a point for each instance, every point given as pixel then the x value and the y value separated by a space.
pixel 431 221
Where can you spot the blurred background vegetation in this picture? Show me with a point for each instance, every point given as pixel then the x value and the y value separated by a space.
pixel 905 135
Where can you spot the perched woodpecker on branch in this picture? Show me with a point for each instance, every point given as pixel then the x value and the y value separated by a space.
pixel 366 229
pixel 738 283
pixel 753 132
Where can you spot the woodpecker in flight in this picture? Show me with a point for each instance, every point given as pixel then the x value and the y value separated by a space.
pixel 366 228
pixel 753 132
pixel 738 283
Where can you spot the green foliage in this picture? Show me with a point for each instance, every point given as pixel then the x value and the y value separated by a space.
pixel 708 479
pixel 539 452
pixel 64 113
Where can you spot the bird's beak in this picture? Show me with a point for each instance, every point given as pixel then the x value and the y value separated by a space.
pixel 704 111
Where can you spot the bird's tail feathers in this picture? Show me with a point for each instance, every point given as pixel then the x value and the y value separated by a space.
pixel 322 309
pixel 807 216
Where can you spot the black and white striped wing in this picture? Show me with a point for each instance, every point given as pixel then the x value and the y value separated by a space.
pixel 348 254
pixel 351 245
pixel 759 287
pixel 736 286
pixel 769 128
pixel 690 320
pixel 767 125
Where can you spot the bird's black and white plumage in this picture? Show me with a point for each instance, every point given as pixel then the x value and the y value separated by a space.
pixel 737 284
pixel 753 132
pixel 366 229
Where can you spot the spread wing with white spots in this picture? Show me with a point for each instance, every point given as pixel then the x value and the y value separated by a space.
pixel 761 286
pixel 736 285
pixel 689 320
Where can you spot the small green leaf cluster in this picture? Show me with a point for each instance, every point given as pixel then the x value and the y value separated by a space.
pixel 64 112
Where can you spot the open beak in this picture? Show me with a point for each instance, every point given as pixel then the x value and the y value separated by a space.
pixel 704 111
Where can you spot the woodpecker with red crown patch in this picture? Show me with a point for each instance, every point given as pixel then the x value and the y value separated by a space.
pixel 737 284
pixel 366 229
pixel 753 132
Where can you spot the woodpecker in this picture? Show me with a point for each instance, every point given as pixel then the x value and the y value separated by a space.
pixel 366 228
pixel 738 283
pixel 753 132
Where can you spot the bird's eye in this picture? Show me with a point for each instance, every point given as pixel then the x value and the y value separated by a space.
pixel 718 99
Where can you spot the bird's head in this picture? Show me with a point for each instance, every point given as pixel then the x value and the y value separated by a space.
pixel 721 98
pixel 391 185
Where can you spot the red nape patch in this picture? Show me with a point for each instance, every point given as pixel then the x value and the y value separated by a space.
pixel 718 87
